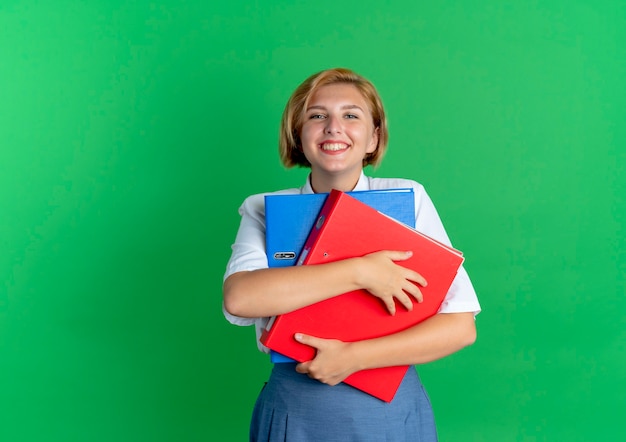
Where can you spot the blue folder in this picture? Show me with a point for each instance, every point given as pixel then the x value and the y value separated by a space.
pixel 290 217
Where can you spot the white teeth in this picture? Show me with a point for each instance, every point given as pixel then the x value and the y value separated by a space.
pixel 333 146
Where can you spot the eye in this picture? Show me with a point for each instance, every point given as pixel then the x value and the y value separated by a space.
pixel 351 116
pixel 317 116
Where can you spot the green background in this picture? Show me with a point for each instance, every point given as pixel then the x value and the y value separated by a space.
pixel 131 131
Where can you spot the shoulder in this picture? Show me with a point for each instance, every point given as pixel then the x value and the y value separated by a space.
pixel 256 203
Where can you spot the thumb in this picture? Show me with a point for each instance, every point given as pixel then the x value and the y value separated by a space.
pixel 397 255
pixel 308 340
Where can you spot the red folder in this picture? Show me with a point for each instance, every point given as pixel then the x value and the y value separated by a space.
pixel 348 228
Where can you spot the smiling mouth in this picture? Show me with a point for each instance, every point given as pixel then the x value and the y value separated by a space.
pixel 334 147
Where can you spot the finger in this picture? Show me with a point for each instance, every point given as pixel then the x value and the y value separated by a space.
pixel 405 300
pixel 418 295
pixel 397 255
pixel 414 291
pixel 391 305
pixel 303 367
pixel 308 340
pixel 416 278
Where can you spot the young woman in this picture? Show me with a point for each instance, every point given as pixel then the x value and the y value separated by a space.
pixel 335 124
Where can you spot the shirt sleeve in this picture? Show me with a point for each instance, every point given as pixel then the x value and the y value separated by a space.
pixel 461 297
pixel 248 253
pixel 248 250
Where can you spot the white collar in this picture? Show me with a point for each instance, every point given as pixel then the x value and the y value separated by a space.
pixel 362 184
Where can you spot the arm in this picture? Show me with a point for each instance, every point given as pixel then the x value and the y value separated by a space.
pixel 432 339
pixel 252 290
pixel 273 291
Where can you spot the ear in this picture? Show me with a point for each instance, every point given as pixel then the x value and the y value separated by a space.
pixel 374 142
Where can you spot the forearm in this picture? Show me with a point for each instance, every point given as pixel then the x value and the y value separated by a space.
pixel 432 339
pixel 273 291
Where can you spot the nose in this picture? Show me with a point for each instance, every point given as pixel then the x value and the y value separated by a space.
pixel 333 125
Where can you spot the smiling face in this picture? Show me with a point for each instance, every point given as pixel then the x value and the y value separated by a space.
pixel 337 133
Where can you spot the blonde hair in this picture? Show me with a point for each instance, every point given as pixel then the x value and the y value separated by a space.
pixel 289 144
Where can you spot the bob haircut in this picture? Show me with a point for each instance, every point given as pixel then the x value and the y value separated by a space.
pixel 290 145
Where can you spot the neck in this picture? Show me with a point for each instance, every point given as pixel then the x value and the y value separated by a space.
pixel 326 182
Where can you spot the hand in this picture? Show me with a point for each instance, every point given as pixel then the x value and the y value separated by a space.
pixel 389 281
pixel 333 362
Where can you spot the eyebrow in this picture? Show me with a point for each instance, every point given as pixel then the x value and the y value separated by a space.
pixel 344 107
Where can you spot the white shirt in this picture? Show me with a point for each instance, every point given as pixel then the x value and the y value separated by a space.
pixel 248 251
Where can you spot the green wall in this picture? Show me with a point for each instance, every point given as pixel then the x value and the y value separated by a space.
pixel 130 132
